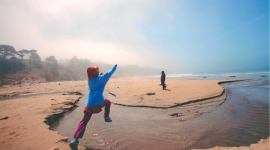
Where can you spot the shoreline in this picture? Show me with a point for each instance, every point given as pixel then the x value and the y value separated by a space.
pixel 27 124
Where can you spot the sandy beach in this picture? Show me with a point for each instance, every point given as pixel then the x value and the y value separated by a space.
pixel 25 119
pixel 149 93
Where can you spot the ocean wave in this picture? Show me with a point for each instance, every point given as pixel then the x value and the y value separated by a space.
pixel 223 74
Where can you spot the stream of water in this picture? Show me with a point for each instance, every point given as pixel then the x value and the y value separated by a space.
pixel 242 119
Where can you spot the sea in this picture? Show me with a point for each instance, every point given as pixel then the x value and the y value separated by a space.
pixel 242 119
pixel 220 75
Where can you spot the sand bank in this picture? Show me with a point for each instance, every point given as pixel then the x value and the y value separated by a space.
pixel 149 92
pixel 23 120
pixel 42 88
pixel 25 123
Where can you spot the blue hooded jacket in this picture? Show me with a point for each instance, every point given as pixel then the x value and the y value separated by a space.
pixel 97 86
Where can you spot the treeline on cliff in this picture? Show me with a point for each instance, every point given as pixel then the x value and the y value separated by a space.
pixel 27 63
pixel 11 61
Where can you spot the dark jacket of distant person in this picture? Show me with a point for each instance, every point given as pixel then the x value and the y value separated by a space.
pixel 163 77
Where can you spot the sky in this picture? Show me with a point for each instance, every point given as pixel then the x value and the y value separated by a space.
pixel 178 36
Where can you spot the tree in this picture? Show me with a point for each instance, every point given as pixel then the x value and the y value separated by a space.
pixel 10 66
pixel 77 68
pixel 23 52
pixel 36 60
pixel 2 71
pixel 32 51
pixel 6 50
pixel 35 56
pixel 55 70
pixel 13 58
pixel 52 62
pixel 31 54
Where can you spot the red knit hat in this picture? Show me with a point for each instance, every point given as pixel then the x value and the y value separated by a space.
pixel 92 71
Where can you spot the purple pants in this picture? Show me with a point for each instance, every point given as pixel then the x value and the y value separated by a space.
pixel 87 116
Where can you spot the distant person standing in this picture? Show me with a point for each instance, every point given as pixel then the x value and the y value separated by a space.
pixel 162 79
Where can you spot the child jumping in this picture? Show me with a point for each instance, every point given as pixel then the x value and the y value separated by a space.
pixel 95 101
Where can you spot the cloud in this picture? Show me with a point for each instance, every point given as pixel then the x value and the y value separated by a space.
pixel 98 30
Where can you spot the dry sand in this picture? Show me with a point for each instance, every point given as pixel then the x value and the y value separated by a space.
pixel 42 88
pixel 149 92
pixel 25 127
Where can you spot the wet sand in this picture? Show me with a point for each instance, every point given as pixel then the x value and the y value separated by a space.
pixel 25 128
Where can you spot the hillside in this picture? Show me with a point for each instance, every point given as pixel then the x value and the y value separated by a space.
pixel 73 71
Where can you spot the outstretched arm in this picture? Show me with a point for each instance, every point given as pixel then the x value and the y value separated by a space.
pixel 105 78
